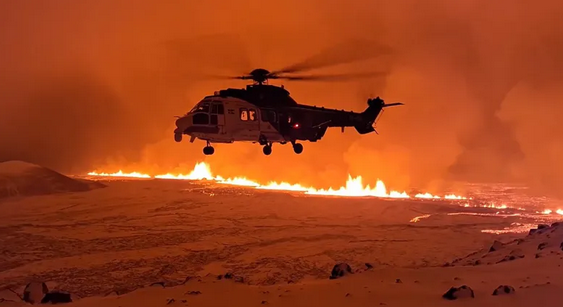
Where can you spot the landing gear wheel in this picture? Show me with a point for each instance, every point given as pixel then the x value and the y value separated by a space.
pixel 208 150
pixel 178 137
pixel 297 148
pixel 267 150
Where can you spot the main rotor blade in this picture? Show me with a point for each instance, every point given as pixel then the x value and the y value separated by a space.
pixel 205 76
pixel 207 52
pixel 348 52
pixel 340 77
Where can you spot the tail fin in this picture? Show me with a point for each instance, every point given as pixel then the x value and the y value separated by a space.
pixel 370 115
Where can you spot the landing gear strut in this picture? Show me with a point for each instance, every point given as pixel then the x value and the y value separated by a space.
pixel 297 147
pixel 178 137
pixel 208 150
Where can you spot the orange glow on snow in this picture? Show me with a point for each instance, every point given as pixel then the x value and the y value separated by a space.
pixel 353 186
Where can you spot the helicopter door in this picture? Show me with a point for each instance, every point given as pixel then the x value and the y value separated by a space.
pixel 269 120
pixel 217 117
pixel 249 123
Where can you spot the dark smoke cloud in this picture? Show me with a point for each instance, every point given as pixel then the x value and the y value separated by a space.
pixel 96 84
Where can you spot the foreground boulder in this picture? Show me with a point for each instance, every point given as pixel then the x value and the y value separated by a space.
pixel 496 246
pixel 504 290
pixel 34 292
pixel 459 293
pixel 340 270
pixel 57 297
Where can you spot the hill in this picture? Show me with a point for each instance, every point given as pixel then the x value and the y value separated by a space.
pixel 18 178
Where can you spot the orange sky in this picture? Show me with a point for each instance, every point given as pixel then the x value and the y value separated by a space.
pixel 89 83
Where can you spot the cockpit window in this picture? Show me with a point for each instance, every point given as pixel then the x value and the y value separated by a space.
pixel 201 119
pixel 201 108
pixel 217 108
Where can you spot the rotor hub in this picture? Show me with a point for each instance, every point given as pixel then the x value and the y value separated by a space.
pixel 260 75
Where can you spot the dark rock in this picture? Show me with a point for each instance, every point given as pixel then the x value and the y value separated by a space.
pixel 542 246
pixel 264 302
pixel 239 279
pixel 220 277
pixel 538 255
pixel 188 278
pixel 112 293
pixel 398 281
pixel 340 270
pixel 459 293
pixel 561 246
pixel 477 262
pixel 348 294
pixel 193 292
pixel 496 246
pixel 509 258
pixel 369 266
pixel 158 284
pixel 532 231
pixel 57 297
pixel 34 292
pixel 542 226
pixel 447 264
pixel 556 224
pixel 170 301
pixel 228 275
pixel 503 290
pixel 519 241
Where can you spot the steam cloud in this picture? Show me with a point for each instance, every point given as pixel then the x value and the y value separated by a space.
pixel 90 83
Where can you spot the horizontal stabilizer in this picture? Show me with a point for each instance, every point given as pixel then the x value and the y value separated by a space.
pixel 393 104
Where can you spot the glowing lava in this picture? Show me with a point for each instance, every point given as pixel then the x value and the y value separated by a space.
pixel 353 187
pixel 120 173
pixel 201 171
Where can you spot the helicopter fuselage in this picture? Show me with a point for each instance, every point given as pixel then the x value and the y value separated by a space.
pixel 266 114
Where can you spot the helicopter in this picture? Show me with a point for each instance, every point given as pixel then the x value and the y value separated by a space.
pixel 267 114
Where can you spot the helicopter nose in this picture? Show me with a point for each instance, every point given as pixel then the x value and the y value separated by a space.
pixel 182 124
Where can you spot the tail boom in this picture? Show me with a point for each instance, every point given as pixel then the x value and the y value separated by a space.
pixel 370 115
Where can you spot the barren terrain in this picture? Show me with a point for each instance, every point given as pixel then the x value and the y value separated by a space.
pixel 134 233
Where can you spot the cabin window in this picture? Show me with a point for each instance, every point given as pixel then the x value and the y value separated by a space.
pixel 252 114
pixel 214 109
pixel 220 109
pixel 201 119
pixel 243 114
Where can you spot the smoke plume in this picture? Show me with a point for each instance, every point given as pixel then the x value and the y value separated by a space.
pixel 96 84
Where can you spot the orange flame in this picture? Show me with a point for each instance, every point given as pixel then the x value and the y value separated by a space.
pixel 353 187
pixel 120 173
